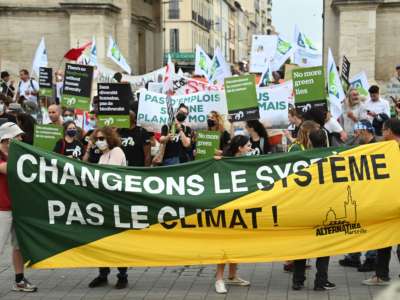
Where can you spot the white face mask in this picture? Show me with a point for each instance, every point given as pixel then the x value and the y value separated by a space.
pixel 102 145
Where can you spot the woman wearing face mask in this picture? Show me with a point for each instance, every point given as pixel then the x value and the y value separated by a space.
pixel 69 145
pixel 258 137
pixel 177 143
pixel 108 141
pixel 239 146
pixel 215 122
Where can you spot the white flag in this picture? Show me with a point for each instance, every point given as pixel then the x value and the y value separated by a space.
pixel 335 89
pixel 284 50
pixel 266 77
pixel 306 54
pixel 40 59
pixel 360 82
pixel 89 57
pixel 203 63
pixel 116 56
pixel 219 68
pixel 263 48
pixel 169 75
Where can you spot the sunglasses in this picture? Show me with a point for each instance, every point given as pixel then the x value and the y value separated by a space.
pixel 100 138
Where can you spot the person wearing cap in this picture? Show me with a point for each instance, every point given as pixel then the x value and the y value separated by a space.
pixel 6 85
pixel 391 132
pixel 14 109
pixel 8 132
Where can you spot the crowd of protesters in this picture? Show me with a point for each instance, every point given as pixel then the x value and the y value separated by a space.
pixel 364 120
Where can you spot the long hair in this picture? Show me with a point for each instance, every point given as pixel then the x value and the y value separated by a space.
pixel 348 101
pixel 233 147
pixel 303 136
pixel 219 119
pixel 112 137
pixel 262 133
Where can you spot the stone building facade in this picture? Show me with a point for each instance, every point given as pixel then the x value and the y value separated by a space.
pixel 367 32
pixel 134 24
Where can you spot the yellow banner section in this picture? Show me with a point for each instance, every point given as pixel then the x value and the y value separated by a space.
pixel 349 202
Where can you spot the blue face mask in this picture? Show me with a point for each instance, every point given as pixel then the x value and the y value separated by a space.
pixel 92 123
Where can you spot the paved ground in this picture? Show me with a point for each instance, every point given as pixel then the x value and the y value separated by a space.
pixel 189 283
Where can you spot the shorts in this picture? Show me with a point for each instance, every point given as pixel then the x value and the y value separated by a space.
pixel 7 229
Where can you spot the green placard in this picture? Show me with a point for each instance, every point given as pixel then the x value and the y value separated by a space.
pixel 207 143
pixel 309 84
pixel 46 136
pixel 241 98
pixel 120 121
pixel 46 92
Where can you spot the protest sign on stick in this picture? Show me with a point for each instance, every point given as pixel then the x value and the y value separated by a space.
pixel 46 81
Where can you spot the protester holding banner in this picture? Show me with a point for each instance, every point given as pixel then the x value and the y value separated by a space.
pixel 258 137
pixel 108 141
pixel 295 120
pixel 215 122
pixel 302 141
pixel 9 131
pixel 27 123
pixel 70 145
pixel 135 142
pixel 353 109
pixel 239 146
pixel 391 132
pixel 177 138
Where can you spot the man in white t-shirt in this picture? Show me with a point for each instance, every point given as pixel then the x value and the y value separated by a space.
pixel 376 110
pixel 27 87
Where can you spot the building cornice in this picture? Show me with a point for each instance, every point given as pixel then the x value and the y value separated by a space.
pixel 144 22
pixel 357 3
pixel 91 7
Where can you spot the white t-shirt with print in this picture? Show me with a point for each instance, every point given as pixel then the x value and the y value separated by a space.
pixel 29 86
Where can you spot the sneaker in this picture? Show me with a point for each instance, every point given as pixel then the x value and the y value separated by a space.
pixel 347 262
pixel 220 287
pixel 288 267
pixel 24 286
pixel 98 281
pixel 121 283
pixel 327 286
pixel 367 266
pixel 237 281
pixel 297 286
pixel 375 280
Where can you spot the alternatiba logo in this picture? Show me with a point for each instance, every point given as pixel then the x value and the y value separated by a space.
pixel 348 224
pixel 71 101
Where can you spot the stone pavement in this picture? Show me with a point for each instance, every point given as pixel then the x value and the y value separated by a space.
pixel 268 281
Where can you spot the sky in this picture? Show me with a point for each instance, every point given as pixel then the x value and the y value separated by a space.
pixel 307 14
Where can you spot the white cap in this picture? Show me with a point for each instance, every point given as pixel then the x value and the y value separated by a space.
pixel 9 130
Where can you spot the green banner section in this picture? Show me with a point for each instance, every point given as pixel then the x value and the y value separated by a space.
pixel 76 102
pixel 207 143
pixel 72 203
pixel 309 84
pixel 46 136
pixel 119 121
pixel 46 92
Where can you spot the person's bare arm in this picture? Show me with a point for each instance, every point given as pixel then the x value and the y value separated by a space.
pixel 147 155
pixel 3 168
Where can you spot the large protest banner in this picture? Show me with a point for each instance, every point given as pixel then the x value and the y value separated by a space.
pixel 46 81
pixel 251 209
pixel 114 104
pixel 273 103
pixel 77 86
pixel 153 113
pixel 139 81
